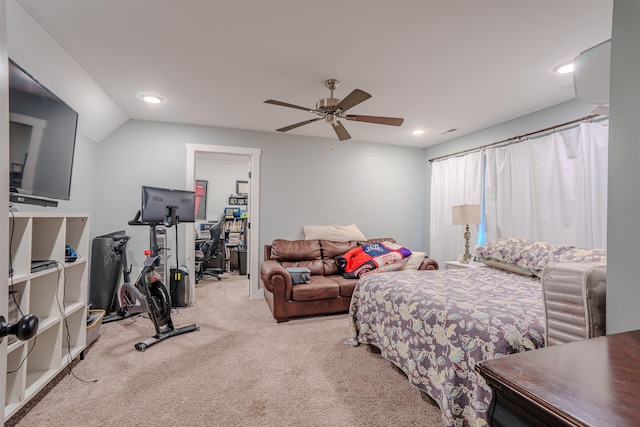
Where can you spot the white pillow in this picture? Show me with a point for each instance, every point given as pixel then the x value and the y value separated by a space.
pixel 333 233
pixel 414 260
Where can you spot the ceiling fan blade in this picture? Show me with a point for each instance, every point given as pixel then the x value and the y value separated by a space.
pixel 391 121
pixel 353 99
pixel 340 131
pixel 286 104
pixel 297 125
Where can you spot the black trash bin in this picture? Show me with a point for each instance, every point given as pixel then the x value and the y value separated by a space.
pixel 242 262
pixel 179 287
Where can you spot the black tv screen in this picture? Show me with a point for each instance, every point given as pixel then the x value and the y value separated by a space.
pixel 42 135
pixel 156 204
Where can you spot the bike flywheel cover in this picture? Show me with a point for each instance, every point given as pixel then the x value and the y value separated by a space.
pixel 160 303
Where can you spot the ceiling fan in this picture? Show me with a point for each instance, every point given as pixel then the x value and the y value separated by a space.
pixel 331 109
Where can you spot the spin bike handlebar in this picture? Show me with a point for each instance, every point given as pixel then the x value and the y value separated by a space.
pixel 154 252
pixel 136 219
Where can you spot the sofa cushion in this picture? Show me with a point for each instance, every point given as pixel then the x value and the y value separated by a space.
pixel 330 250
pixel 346 285
pixel 298 253
pixel 315 266
pixel 295 250
pixel 319 287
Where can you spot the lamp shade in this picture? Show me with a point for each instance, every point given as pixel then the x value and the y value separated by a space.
pixel 465 214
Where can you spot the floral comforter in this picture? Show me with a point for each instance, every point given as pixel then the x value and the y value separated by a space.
pixel 437 325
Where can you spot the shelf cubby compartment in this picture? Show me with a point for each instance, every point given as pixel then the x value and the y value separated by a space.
pixel 18 302
pixel 77 230
pixel 47 240
pixel 74 334
pixel 44 359
pixel 20 246
pixel 45 297
pixel 15 377
pixel 74 281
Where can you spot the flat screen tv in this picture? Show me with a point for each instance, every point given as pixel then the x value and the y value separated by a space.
pixel 166 206
pixel 42 136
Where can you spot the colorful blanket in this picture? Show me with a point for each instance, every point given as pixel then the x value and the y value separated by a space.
pixel 373 257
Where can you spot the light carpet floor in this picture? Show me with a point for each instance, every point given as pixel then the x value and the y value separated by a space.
pixel 240 368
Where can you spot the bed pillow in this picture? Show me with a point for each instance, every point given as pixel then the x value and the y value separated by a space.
pixel 413 261
pixel 506 266
pixel 508 250
pixel 581 255
pixel 534 255
pixel 333 232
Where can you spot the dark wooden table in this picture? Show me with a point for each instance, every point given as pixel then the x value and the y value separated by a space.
pixel 594 382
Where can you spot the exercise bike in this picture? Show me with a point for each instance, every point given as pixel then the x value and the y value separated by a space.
pixel 147 295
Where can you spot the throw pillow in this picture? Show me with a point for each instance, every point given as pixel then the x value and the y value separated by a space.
pixel 333 232
pixel 413 261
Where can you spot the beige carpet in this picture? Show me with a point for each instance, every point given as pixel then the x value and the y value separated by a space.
pixel 240 369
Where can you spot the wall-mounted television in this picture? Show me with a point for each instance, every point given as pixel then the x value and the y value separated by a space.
pixel 168 207
pixel 42 136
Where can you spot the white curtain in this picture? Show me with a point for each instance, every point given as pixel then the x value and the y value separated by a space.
pixel 552 188
pixel 454 181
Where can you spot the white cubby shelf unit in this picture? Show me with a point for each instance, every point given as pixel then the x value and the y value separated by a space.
pixel 57 296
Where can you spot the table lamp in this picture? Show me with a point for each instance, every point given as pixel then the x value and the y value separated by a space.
pixel 465 215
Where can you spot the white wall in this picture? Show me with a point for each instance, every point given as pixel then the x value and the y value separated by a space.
pixel 623 285
pixel 221 176
pixel 378 187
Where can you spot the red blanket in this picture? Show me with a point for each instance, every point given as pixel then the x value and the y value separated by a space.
pixel 364 259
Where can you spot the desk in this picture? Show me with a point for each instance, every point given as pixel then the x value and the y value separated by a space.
pixel 593 382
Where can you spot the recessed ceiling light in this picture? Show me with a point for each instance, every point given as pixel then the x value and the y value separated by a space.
pixel 418 131
pixel 151 98
pixel 564 68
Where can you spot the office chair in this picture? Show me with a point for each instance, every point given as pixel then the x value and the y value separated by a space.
pixel 209 251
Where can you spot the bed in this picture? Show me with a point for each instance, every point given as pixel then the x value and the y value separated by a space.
pixel 436 326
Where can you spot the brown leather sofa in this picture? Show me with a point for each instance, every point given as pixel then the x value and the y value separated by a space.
pixel 327 292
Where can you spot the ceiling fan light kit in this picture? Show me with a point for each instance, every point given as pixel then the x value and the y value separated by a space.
pixel 331 109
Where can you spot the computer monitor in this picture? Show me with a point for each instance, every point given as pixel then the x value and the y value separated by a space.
pixel 166 206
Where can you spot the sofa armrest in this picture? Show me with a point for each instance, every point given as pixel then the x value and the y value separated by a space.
pixel 276 279
pixel 429 264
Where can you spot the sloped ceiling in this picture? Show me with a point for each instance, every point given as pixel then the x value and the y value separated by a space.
pixel 463 64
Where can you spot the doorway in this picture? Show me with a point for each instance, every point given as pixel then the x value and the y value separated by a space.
pixel 252 156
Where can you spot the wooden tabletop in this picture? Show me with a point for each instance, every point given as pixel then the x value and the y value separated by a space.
pixel 595 382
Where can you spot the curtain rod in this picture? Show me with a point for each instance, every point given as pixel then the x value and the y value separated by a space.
pixel 446 156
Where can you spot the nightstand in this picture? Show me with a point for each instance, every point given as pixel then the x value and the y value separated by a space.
pixel 450 265
pixel 593 382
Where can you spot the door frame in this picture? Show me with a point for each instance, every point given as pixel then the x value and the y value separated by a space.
pixel 253 157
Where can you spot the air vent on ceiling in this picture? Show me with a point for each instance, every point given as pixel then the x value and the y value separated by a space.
pixel 448 131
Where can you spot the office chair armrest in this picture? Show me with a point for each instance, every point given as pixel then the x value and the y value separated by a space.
pixel 203 246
